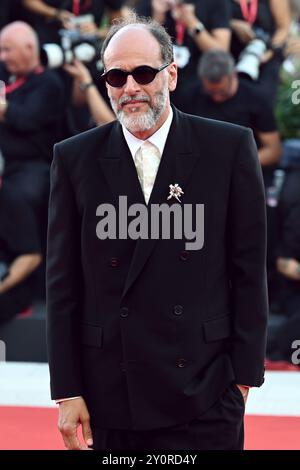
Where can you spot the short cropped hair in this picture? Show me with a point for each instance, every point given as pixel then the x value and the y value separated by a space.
pixel 216 64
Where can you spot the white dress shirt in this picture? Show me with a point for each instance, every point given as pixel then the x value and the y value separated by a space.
pixel 158 138
pixel 149 163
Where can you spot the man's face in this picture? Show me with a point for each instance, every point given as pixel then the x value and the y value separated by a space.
pixel 220 91
pixel 139 107
pixel 16 55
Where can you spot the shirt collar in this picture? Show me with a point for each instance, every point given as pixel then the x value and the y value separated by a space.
pixel 158 139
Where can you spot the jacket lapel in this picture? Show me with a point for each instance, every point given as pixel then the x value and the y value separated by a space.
pixel 119 170
pixel 176 166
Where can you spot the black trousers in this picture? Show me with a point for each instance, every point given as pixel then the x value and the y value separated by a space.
pixel 221 427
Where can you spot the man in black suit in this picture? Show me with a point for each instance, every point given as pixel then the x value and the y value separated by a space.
pixel 153 343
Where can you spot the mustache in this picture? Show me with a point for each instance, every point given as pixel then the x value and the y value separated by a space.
pixel 130 99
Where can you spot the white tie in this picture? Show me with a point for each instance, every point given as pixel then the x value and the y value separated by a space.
pixel 147 160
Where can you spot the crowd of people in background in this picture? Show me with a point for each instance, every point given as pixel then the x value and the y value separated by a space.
pixel 230 55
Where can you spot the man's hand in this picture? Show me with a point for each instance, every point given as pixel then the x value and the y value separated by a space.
pixel 268 55
pixel 72 413
pixel 289 267
pixel 65 17
pixel 185 13
pixel 293 47
pixel 244 391
pixel 3 107
pixel 89 27
pixel 243 30
pixel 79 71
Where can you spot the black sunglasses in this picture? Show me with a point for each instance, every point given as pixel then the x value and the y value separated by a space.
pixel 143 75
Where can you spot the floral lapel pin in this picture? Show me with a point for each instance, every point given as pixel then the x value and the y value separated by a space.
pixel 175 191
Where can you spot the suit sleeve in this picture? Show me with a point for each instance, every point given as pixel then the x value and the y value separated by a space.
pixel 64 285
pixel 247 261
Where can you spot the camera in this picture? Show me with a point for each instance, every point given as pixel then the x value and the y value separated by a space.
pixel 73 45
pixel 250 58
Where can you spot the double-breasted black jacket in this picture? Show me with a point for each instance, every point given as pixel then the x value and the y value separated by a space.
pixel 149 333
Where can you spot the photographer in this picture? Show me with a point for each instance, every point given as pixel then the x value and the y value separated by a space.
pixel 86 92
pixel 52 15
pixel 220 94
pixel 287 301
pixel 271 18
pixel 196 26
pixel 19 252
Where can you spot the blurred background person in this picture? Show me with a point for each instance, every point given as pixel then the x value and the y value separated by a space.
pixel 221 94
pixel 266 19
pixel 196 26
pixel 30 117
pixel 284 324
pixel 71 25
pixel 20 253
pixel 85 92
pixel 288 251
pixel 49 16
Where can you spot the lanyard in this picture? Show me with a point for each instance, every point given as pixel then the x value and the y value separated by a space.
pixel 249 12
pixel 180 31
pixel 77 7
pixel 20 81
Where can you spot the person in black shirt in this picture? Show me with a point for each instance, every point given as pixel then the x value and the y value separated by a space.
pixel 270 16
pixel 31 115
pixel 19 252
pixel 12 10
pixel 288 250
pixel 286 299
pixel 49 16
pixel 222 95
pixel 195 27
pixel 5 12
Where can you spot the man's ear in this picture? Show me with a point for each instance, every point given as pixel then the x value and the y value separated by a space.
pixel 172 70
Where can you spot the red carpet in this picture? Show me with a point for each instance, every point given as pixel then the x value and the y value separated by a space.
pixel 26 428
pixel 272 433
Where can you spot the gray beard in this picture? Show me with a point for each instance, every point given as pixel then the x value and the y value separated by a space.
pixel 147 120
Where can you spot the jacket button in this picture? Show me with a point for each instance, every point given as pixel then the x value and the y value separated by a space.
pixel 124 312
pixel 178 310
pixel 184 255
pixel 114 262
pixel 181 363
